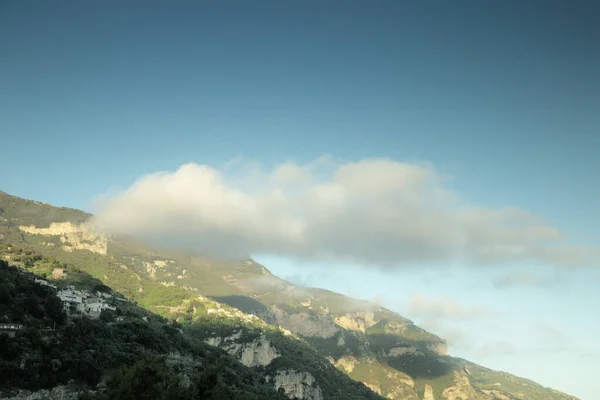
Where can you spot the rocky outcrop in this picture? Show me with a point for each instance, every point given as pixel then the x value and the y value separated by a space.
pixel 258 352
pixel 299 385
pixel 461 390
pixel 346 363
pixel 403 379
pixel 496 394
pixel 395 328
pixel 374 387
pixel 428 394
pixel 401 392
pixel 58 273
pixel 358 321
pixel 440 348
pixel 378 377
pixel 73 237
pixel 400 351
pixel 433 344
pixel 302 323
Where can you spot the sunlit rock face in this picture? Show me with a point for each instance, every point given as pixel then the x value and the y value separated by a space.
pixel 462 388
pixel 258 352
pixel 305 324
pixel 297 385
pixel 73 236
pixel 357 321
pixel 428 395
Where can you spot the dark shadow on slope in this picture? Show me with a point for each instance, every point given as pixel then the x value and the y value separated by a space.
pixel 341 344
pixel 413 357
pixel 248 305
pixel 421 366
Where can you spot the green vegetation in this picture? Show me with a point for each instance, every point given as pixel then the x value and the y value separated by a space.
pixel 153 379
pixel 136 353
pixel 23 302
pixel 85 350
pixel 294 355
pixel 353 345
pixel 28 212
pixel 388 379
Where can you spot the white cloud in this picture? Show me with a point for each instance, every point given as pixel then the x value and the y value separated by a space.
pixel 500 348
pixel 289 174
pixel 375 211
pixel 446 308
pixel 549 337
pixel 521 278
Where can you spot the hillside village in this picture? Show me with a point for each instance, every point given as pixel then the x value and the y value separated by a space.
pixel 80 302
pixel 76 302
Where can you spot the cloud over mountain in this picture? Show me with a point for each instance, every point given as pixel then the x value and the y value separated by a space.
pixel 442 309
pixel 375 211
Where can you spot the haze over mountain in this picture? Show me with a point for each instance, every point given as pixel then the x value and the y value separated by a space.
pixel 438 160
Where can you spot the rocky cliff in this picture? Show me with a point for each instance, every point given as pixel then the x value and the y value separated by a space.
pixel 296 384
pixel 72 236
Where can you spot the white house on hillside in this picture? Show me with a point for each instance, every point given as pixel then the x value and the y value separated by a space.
pixel 95 305
pixel 72 300
pixel 82 302
pixel 43 283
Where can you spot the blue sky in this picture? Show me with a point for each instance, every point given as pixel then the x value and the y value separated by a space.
pixel 504 98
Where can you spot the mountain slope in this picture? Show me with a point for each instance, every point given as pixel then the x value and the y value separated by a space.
pixel 371 344
pixel 48 349
pixel 282 361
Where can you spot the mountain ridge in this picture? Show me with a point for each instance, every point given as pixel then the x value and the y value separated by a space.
pixel 371 344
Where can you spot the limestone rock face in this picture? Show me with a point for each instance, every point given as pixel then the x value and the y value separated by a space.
pixel 258 352
pixel 461 390
pixel 399 351
pixel 314 324
pixel 374 387
pixel 298 385
pixel 346 363
pixel 440 348
pixel 73 237
pixel 358 321
pixel 496 395
pixel 428 395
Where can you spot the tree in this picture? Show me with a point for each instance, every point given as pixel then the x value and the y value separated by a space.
pixel 149 378
pixel 5 296
pixel 28 263
pixel 54 309
pixel 102 289
pixel 107 316
pixel 32 306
